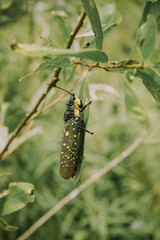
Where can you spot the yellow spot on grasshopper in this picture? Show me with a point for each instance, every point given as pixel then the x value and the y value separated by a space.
pixel 67 134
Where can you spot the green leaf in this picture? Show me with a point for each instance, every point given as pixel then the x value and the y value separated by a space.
pixel 151 8
pixel 39 51
pixel 134 106
pixel 51 64
pixel 146 36
pixel 109 14
pixel 20 194
pixel 84 96
pixel 6 226
pixel 93 15
pixel 151 80
pixel 63 24
pixel 106 31
pixel 57 62
pixel 156 59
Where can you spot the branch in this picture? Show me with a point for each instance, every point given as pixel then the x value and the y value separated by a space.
pixel 73 34
pixel 44 94
pixel 82 187
pixel 108 68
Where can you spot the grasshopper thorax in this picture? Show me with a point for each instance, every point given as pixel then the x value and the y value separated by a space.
pixel 74 107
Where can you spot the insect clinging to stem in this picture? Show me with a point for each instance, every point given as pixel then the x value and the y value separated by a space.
pixel 73 136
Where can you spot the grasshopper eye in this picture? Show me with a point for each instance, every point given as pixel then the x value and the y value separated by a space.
pixel 72 99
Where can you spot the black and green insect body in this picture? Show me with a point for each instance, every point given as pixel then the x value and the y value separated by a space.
pixel 73 137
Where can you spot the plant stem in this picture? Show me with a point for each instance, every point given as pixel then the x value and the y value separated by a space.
pixel 44 94
pixel 108 68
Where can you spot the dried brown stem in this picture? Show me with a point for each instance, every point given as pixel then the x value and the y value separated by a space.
pixel 44 94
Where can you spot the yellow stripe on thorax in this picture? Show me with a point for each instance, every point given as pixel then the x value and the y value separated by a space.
pixel 77 103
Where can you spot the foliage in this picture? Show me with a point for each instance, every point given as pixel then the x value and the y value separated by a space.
pixel 124 204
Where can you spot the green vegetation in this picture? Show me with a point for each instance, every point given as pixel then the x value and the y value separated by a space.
pixel 123 38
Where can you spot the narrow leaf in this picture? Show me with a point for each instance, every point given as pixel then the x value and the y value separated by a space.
pixel 39 51
pixel 134 106
pixel 93 15
pixel 106 31
pixel 151 8
pixel 63 24
pixel 151 80
pixel 57 62
pixel 146 36
pixel 20 194
pixel 51 64
pixel 84 96
pixel 109 14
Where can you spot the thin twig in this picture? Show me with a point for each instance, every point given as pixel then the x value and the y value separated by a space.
pixel 108 68
pixel 44 94
pixel 82 187
pixel 74 33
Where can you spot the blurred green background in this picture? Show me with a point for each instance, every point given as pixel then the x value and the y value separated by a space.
pixel 125 203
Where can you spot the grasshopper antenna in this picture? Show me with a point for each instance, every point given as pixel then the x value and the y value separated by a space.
pixel 64 90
